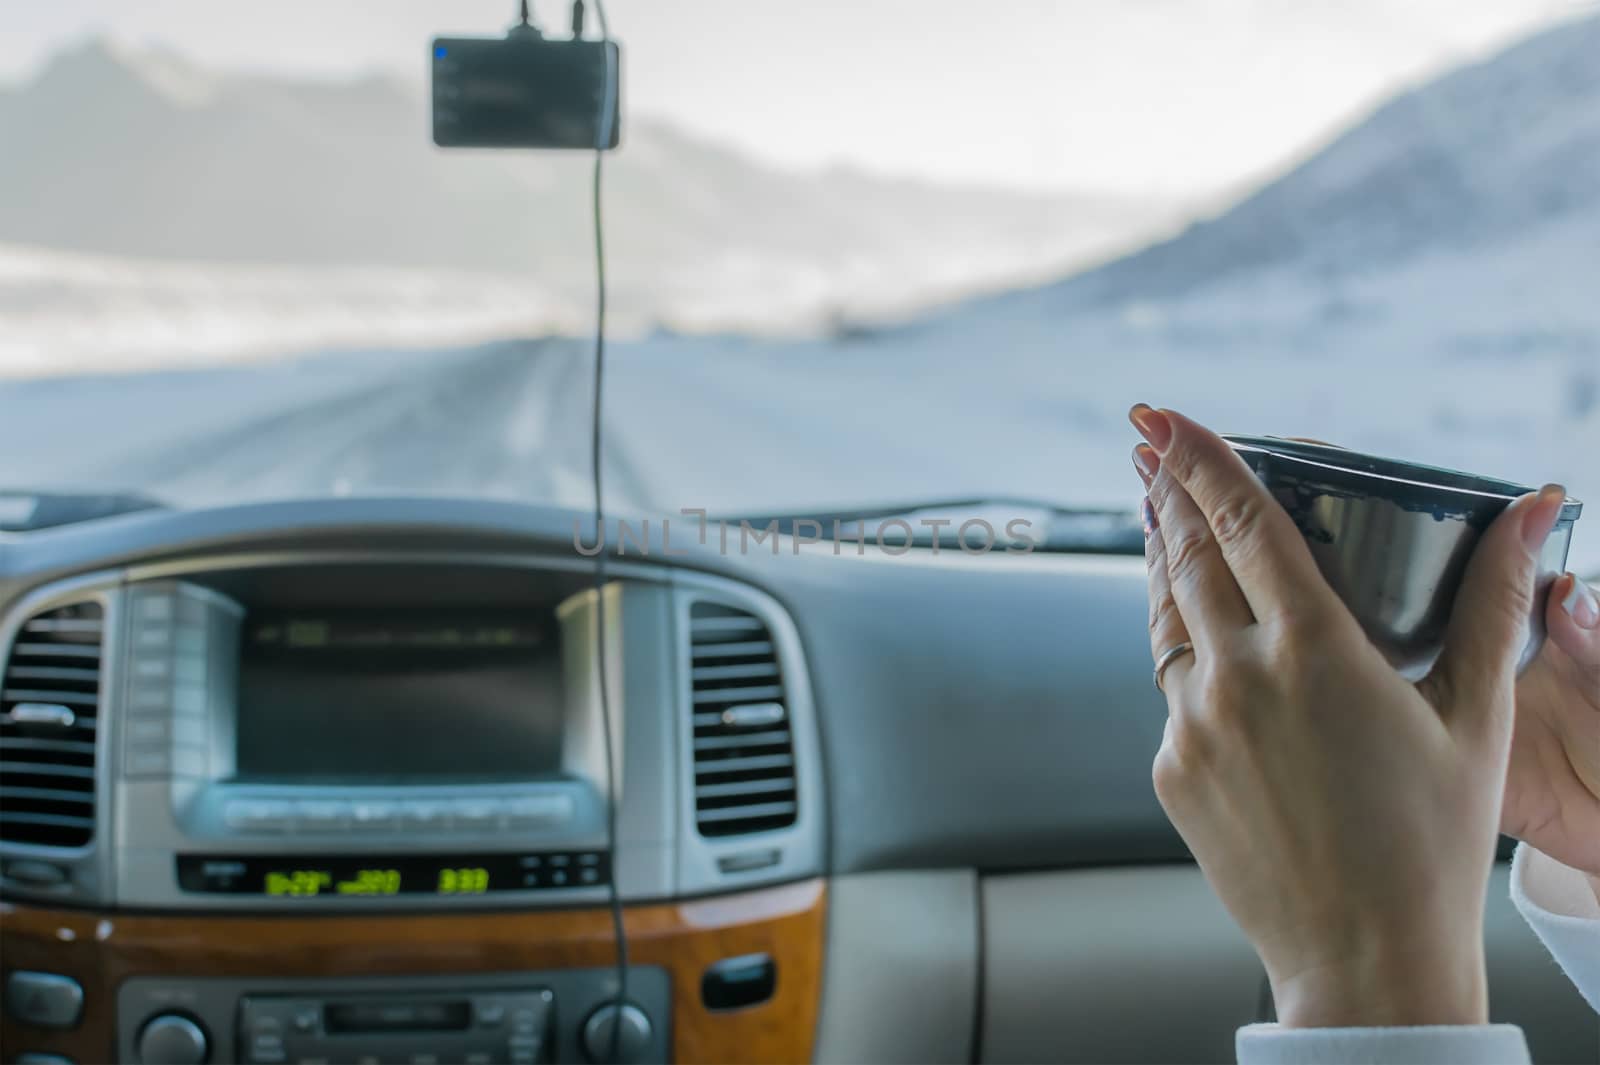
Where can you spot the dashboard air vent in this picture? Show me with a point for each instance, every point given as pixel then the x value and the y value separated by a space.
pixel 49 714
pixel 744 779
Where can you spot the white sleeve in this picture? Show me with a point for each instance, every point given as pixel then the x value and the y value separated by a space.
pixel 1561 905
pixel 1467 1044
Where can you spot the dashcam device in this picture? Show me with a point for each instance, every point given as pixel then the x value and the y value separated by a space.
pixel 526 91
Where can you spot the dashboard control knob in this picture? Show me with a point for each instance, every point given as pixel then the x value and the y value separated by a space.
pixel 633 1043
pixel 172 1039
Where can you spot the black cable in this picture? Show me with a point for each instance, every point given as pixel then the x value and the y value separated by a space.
pixel 596 460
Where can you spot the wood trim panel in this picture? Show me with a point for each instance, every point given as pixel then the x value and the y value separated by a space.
pixel 101 950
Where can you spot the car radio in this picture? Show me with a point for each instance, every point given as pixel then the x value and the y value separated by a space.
pixel 322 732
pixel 333 757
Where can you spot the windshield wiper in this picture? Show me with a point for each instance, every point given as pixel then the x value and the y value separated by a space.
pixel 24 511
pixel 1049 526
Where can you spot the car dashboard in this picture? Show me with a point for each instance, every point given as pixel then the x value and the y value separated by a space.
pixel 337 780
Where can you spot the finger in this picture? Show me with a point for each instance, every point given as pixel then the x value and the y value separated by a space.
pixel 1267 555
pixel 1167 629
pixel 1202 586
pixel 1572 618
pixel 1473 680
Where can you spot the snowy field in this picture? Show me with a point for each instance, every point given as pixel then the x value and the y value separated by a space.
pixel 397 386
pixel 1026 406
pixel 69 312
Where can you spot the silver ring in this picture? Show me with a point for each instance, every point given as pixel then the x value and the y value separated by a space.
pixel 1169 656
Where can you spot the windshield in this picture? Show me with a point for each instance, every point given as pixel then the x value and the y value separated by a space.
pixel 861 254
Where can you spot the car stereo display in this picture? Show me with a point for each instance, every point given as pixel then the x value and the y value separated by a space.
pixel 378 875
pixel 368 697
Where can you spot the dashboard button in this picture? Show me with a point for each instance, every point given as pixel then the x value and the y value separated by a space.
pixel 174 1039
pixel 267 1048
pixel 739 983
pixel 633 1042
pixel 26 872
pixel 45 1000
pixel 321 815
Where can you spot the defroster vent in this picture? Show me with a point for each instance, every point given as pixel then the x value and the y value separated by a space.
pixel 744 776
pixel 49 715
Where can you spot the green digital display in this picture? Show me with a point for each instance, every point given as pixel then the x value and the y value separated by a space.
pixel 300 883
pixel 380 876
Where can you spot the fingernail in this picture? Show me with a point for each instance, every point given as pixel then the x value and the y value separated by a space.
pixel 1539 516
pixel 1147 518
pixel 1147 462
pixel 1578 602
pixel 1152 425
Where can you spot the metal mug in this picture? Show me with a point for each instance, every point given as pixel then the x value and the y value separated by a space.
pixel 1393 538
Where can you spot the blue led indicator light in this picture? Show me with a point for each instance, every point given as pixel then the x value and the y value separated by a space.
pixel 439 52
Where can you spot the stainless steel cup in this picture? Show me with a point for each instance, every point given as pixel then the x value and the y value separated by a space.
pixel 1393 538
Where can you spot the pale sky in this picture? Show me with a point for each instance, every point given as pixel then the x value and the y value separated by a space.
pixel 1171 97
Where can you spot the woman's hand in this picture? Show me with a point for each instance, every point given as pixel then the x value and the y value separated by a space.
pixel 1552 798
pixel 1345 817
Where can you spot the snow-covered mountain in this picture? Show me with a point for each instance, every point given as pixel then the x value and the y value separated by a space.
pixel 143 156
pixel 1477 159
pixel 1424 285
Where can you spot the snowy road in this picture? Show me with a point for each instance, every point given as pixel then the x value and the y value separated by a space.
pixel 501 420
pixel 494 422
pixel 741 426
